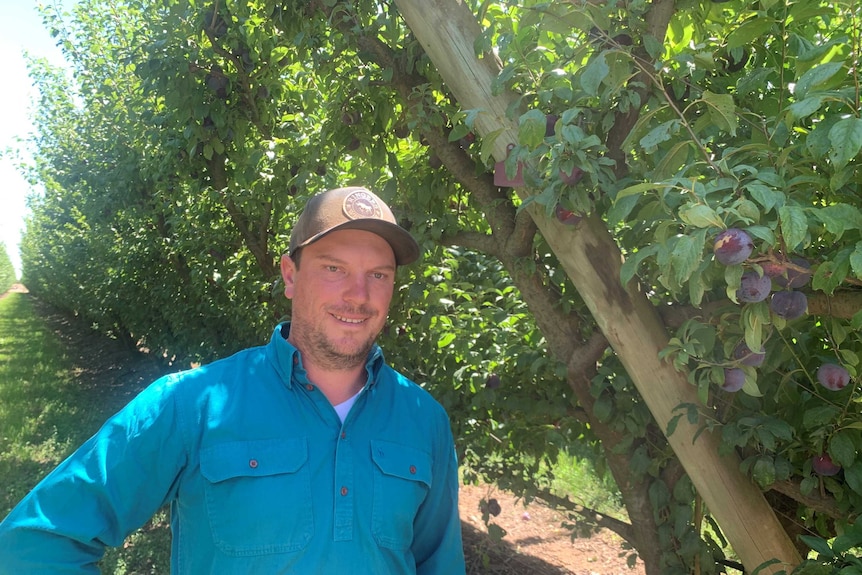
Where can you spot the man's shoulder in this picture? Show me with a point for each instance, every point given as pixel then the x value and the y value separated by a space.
pixel 223 370
pixel 404 387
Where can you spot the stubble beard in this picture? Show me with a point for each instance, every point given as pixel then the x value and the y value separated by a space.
pixel 326 352
pixel 328 355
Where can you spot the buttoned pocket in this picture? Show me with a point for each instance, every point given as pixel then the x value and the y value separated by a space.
pixel 402 478
pixel 258 496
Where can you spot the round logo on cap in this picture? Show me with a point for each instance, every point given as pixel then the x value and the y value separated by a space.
pixel 360 204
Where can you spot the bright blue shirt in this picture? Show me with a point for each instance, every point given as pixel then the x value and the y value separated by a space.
pixel 261 475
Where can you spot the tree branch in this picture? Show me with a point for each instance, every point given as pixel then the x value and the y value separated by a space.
pixel 596 519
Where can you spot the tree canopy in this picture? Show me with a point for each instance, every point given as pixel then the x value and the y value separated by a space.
pixel 7 270
pixel 717 142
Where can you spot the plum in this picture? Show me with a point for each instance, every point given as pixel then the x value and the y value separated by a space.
pixel 789 277
pixel 572 178
pixel 753 287
pixel 789 304
pixel 493 381
pixel 734 378
pixel 823 465
pixel 551 125
pixel 567 217
pixel 732 246
pixel 832 376
pixel 745 356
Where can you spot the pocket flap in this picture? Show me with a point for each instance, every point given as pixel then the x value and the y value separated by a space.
pixel 401 461
pixel 253 458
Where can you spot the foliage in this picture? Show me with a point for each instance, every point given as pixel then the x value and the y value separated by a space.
pixel 7 271
pixel 178 155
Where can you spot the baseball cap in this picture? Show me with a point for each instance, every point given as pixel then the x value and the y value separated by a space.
pixel 354 208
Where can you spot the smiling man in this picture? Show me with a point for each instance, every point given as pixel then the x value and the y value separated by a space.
pixel 309 455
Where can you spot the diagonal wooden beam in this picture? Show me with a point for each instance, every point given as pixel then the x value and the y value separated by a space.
pixel 447 30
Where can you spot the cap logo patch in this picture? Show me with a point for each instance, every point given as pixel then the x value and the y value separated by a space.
pixel 361 205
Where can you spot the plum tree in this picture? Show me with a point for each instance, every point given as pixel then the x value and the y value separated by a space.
pixel 753 287
pixel 789 304
pixel 832 376
pixel 732 246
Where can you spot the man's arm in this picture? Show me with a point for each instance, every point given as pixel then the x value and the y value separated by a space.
pixel 102 492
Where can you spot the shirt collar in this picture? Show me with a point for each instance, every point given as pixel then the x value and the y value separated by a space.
pixel 286 358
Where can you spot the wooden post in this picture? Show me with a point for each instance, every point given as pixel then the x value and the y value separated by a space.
pixel 447 30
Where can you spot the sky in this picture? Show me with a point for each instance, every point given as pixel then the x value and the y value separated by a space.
pixel 21 30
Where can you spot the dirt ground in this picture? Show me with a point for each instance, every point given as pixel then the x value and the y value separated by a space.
pixel 535 542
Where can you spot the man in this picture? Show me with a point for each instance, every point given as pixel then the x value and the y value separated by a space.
pixel 309 455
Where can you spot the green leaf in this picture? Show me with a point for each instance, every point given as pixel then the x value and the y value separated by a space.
pixel 794 225
pixel 842 448
pixel 638 189
pixel 765 195
pixel 764 472
pixel 701 216
pixel 815 77
pixel 846 139
pixel 594 73
pixel 819 416
pixel 749 31
pixel 853 477
pixel 630 265
pixel 722 111
pixel 805 108
pixel 661 133
pixel 819 545
pixel 446 339
pixel 686 256
pixel 840 217
pixel 531 129
pixel 856 263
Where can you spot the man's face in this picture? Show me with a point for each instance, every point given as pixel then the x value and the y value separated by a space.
pixel 341 294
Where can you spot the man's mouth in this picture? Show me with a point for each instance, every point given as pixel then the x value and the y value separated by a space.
pixel 347 319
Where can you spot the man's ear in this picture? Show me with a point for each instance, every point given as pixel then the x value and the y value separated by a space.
pixel 288 273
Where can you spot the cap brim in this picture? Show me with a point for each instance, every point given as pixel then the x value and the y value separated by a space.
pixel 403 245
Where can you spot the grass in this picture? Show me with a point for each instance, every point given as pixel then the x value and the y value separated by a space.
pixel 47 409
pixel 41 415
pixel 577 478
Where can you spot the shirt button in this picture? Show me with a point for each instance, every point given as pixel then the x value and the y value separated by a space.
pixel 413 470
pixel 252 463
pixel 343 435
pixel 343 491
pixel 309 387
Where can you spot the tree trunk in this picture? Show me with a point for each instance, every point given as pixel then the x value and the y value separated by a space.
pixel 447 30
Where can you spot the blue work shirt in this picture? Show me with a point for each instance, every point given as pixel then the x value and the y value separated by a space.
pixel 261 475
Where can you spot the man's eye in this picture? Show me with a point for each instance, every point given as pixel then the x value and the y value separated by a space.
pixel 332 268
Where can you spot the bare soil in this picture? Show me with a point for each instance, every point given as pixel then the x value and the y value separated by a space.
pixel 535 542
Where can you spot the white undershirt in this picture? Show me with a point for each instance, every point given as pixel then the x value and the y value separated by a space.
pixel 343 408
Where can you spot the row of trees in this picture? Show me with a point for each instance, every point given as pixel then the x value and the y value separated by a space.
pixel 7 270
pixel 176 158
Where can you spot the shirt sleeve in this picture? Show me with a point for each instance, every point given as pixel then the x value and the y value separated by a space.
pixel 109 487
pixel 437 545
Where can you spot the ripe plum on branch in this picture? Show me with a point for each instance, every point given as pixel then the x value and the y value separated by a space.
pixel 732 246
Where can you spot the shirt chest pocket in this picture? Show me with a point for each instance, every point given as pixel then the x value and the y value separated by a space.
pixel 402 478
pixel 258 496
